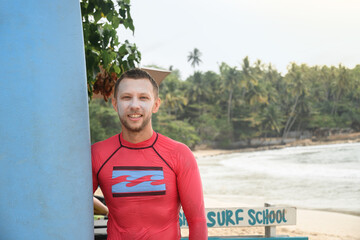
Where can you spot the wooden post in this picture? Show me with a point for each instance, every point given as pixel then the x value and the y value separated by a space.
pixel 270 231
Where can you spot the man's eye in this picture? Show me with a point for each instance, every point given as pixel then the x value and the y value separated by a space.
pixel 144 98
pixel 125 97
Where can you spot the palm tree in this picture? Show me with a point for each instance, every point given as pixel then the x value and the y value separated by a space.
pixel 198 89
pixel 253 92
pixel 194 57
pixel 342 84
pixel 230 77
pixel 298 87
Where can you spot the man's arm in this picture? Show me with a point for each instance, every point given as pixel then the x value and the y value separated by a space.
pixel 191 194
pixel 99 207
pixel 94 165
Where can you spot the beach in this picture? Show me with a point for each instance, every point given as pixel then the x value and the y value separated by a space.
pixel 327 226
pixel 315 224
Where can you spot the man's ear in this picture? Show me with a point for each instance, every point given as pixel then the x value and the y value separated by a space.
pixel 114 103
pixel 156 105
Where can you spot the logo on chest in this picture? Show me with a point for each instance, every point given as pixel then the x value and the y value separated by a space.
pixel 138 181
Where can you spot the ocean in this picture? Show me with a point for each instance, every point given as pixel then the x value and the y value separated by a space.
pixel 325 177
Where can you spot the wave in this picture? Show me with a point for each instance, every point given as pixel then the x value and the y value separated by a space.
pixel 316 177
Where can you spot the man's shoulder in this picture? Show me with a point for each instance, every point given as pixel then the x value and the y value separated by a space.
pixel 179 154
pixel 109 144
pixel 172 144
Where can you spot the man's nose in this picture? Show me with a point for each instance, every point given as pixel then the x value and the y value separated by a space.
pixel 135 103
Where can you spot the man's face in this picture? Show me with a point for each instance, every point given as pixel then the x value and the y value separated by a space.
pixel 135 103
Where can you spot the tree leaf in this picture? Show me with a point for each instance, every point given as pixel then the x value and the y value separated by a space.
pixel 117 69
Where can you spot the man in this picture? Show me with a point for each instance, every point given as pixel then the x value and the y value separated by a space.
pixel 144 175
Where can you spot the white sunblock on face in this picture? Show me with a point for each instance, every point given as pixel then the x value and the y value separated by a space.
pixel 135 104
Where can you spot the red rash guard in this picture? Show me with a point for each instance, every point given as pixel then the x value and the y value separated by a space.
pixel 144 185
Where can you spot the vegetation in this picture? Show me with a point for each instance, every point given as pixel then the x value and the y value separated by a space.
pixel 194 58
pixel 106 58
pixel 255 100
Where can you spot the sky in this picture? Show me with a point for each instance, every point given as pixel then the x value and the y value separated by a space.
pixel 315 32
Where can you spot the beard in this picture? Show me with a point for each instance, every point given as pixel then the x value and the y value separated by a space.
pixel 134 129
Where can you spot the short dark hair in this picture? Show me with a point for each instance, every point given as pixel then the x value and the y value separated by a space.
pixel 137 73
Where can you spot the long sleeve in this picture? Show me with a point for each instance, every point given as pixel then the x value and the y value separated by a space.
pixel 94 169
pixel 191 193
